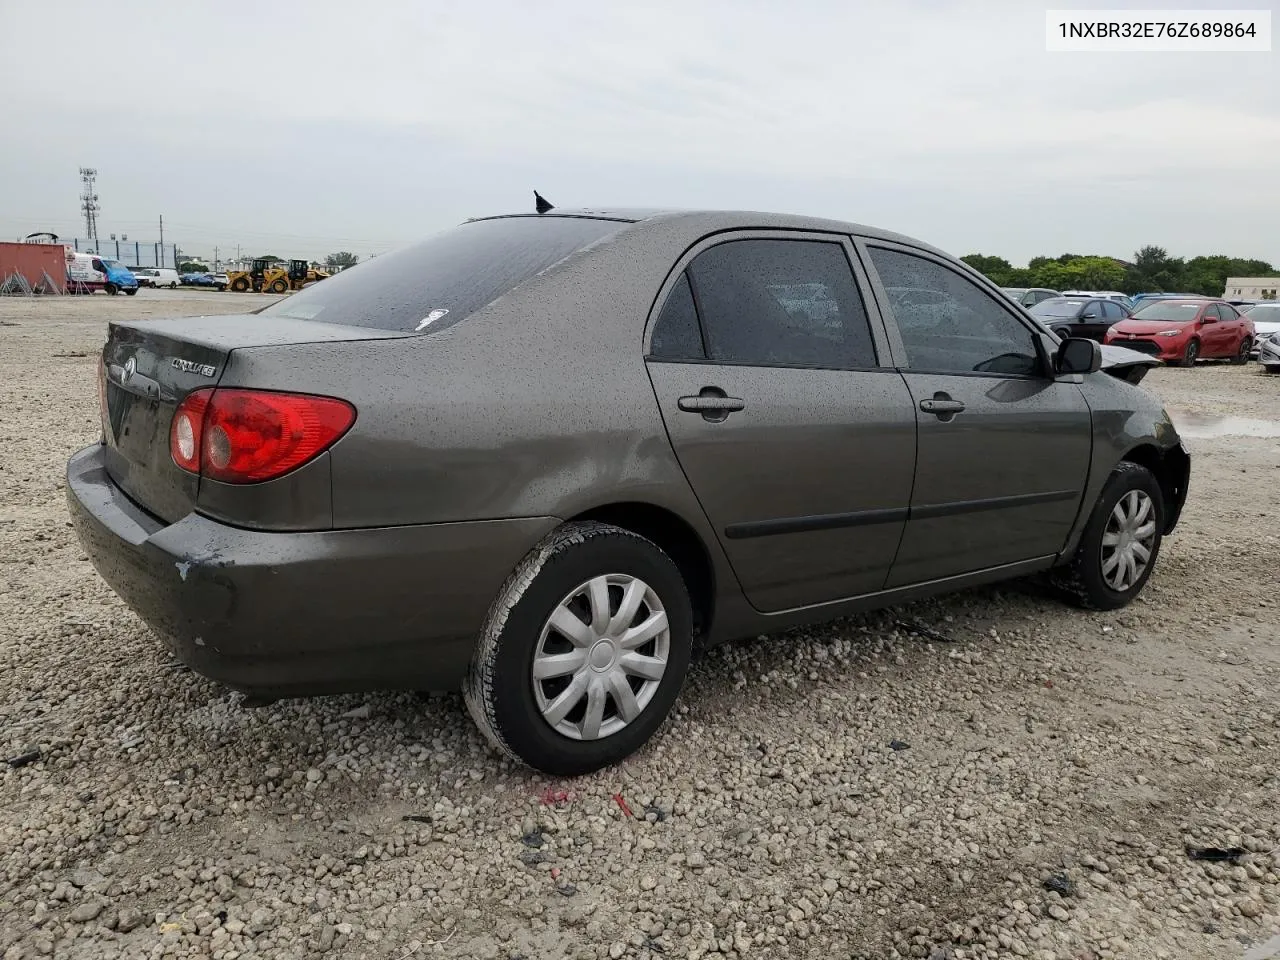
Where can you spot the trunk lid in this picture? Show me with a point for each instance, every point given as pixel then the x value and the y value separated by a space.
pixel 152 365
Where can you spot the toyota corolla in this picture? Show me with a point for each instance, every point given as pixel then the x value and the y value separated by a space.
pixel 539 457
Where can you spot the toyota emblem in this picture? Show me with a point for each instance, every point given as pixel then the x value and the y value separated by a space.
pixel 130 368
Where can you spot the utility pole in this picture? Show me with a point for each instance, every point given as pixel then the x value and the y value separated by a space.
pixel 175 260
pixel 215 259
pixel 89 204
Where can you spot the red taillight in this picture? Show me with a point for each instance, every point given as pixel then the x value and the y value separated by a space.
pixel 247 436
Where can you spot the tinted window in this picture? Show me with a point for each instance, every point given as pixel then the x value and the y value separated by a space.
pixel 948 323
pixel 1111 311
pixel 676 335
pixel 781 302
pixel 1227 312
pixel 439 281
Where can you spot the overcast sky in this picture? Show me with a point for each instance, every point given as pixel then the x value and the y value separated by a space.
pixel 306 128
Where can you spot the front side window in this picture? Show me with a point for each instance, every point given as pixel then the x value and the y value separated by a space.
pixel 948 323
pixel 781 302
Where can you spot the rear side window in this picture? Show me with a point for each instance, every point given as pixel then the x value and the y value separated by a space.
pixel 781 302
pixel 438 281
pixel 676 335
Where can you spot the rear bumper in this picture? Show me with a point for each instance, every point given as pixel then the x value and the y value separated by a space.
pixel 292 614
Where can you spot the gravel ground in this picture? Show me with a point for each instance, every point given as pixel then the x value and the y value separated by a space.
pixel 1026 782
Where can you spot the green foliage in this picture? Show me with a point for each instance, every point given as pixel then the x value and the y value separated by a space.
pixel 342 260
pixel 193 266
pixel 1153 270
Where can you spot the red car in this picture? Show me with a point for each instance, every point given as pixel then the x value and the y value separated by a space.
pixel 1184 331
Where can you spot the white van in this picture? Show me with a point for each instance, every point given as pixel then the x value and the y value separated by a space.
pixel 156 276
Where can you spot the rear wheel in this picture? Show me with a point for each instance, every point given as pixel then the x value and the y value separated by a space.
pixel 1242 355
pixel 172 284
pixel 584 651
pixel 1121 541
pixel 112 289
pixel 1191 354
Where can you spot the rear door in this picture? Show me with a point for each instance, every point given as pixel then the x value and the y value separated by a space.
pixel 796 436
pixel 1004 448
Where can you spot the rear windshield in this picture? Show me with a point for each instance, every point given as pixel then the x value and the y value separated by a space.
pixel 1057 308
pixel 1168 312
pixel 441 280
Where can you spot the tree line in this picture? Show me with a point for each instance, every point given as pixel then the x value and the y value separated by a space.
pixel 1152 271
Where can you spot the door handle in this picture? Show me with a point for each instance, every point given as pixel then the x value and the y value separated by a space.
pixel 942 406
pixel 711 404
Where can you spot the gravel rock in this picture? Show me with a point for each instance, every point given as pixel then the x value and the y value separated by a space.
pixel 769 819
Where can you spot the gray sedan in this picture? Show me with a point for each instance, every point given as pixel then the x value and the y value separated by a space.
pixel 541 457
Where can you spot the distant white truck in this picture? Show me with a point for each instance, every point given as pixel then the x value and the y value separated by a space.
pixel 156 276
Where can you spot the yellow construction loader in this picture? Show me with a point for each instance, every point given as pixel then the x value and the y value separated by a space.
pixel 265 276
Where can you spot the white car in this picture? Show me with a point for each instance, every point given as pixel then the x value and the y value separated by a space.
pixel 1266 326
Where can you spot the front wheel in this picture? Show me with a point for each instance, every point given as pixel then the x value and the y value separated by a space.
pixel 1121 541
pixel 584 651
pixel 1242 355
pixel 1191 354
pixel 279 286
pixel 240 285
pixel 131 292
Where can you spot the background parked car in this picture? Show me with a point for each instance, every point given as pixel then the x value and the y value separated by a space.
pixel 1266 323
pixel 1184 331
pixel 1029 296
pixel 1116 295
pixel 1079 317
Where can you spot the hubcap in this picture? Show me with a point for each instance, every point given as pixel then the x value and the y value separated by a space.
pixel 1128 540
pixel 601 657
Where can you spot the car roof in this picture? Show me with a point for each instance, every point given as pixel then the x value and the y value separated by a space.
pixel 711 221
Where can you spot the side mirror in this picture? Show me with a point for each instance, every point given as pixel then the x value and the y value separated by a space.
pixel 1207 319
pixel 1091 315
pixel 1078 355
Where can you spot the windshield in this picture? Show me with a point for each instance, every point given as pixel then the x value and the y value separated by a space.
pixel 1167 312
pixel 1057 308
pixel 1269 312
pixel 437 282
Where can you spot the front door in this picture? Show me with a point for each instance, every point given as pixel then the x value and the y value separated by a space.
pixel 798 444
pixel 1003 450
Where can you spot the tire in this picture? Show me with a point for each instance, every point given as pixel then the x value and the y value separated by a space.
pixel 132 292
pixel 279 286
pixel 1191 354
pixel 557 575
pixel 111 289
pixel 1242 355
pixel 1086 581
pixel 240 285
pixel 172 285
